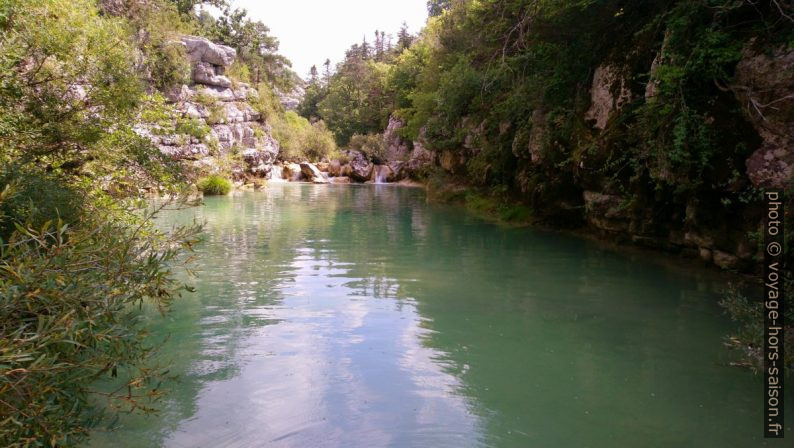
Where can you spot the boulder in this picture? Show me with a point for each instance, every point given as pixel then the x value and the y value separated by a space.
pixel 725 260
pixel 360 167
pixel 397 171
pixel 200 49
pixel 205 73
pixel 536 135
pixel 292 172
pixel 260 160
pixel 340 180
pixel 346 171
pixel 334 168
pixel 452 162
pixel 605 212
pixel 292 99
pixel 419 159
pixel 312 173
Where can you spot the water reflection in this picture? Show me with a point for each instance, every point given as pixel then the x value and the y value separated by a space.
pixel 361 316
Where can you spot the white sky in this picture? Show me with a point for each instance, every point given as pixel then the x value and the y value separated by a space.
pixel 309 31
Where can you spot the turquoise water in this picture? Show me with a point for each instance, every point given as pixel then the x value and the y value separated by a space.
pixel 361 316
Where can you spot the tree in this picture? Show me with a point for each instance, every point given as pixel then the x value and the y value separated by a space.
pixel 77 257
pixel 255 46
pixel 327 72
pixel 404 38
pixel 188 7
pixel 437 7
pixel 313 75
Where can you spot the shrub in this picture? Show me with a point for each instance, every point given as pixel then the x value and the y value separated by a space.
pixel 192 127
pixel 266 102
pixel 301 140
pixel 215 185
pixel 34 198
pixel 371 145
pixel 70 317
pixel 169 65
pixel 748 313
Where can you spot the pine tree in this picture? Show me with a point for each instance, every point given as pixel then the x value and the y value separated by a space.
pixel 378 45
pixel 313 75
pixel 364 50
pixel 327 74
pixel 404 38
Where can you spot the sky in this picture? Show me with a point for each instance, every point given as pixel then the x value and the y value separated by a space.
pixel 309 31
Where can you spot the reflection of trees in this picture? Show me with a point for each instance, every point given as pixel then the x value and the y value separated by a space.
pixel 559 343
pixel 555 342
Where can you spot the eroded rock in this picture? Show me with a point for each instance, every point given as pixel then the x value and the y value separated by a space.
pixel 764 84
pixel 608 94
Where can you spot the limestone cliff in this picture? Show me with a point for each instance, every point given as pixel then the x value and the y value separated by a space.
pixel 224 129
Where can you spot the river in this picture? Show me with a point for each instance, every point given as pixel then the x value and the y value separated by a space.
pixel 362 316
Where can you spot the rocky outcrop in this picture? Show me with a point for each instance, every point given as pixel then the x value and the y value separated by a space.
pixel 200 49
pixel 609 93
pixel 215 116
pixel 292 99
pixel 764 84
pixel 396 148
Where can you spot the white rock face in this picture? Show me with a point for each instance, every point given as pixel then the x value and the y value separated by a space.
pixel 396 148
pixel 220 106
pixel 200 49
pixel 206 73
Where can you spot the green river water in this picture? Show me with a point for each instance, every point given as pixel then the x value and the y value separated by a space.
pixel 361 316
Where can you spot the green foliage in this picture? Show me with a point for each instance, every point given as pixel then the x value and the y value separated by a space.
pixel 256 48
pixel 356 100
pixel 69 317
pixel 266 102
pixel 192 127
pixel 239 71
pixel 371 145
pixel 76 255
pixel 37 196
pixel 169 65
pixel 217 114
pixel 301 140
pixel 748 313
pixel 215 185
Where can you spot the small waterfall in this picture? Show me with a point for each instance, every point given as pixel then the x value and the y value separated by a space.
pixel 380 174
